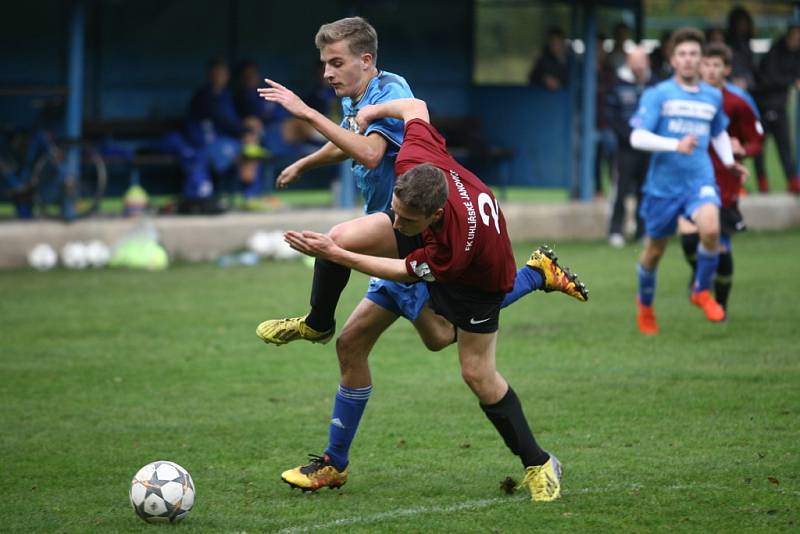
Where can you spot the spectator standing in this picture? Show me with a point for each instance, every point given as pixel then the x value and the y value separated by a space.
pixel 740 31
pixel 606 141
pixel 778 72
pixel 621 103
pixel 617 57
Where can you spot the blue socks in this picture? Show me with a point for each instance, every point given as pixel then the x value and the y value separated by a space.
pixel 347 410
pixel 527 280
pixel 647 285
pixel 707 263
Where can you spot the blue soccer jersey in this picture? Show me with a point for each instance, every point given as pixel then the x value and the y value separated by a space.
pixel 670 110
pixel 376 184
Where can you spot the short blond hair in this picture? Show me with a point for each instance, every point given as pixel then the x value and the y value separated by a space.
pixel 361 36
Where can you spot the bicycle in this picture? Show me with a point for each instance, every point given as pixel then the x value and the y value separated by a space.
pixel 35 175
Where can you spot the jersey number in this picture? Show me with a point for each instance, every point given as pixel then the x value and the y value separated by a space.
pixel 483 201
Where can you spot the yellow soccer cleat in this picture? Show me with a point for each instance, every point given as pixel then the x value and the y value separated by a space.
pixel 543 481
pixel 319 473
pixel 283 331
pixel 556 278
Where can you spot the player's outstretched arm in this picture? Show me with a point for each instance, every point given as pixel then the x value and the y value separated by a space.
pixel 403 108
pixel 367 150
pixel 328 154
pixel 322 246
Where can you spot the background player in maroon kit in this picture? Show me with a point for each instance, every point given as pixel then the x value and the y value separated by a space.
pixel 747 138
pixel 465 258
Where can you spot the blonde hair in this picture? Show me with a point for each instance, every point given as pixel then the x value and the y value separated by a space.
pixel 361 36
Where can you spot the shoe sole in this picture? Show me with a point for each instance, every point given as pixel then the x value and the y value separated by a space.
pixel 292 485
pixel 579 286
pixel 279 343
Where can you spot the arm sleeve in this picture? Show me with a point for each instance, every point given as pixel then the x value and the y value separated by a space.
pixel 751 131
pixel 722 146
pixel 642 139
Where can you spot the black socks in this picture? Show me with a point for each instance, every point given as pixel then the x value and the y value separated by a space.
pixel 508 419
pixel 724 279
pixel 330 280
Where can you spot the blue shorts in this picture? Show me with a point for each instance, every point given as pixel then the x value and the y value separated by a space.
pixel 660 214
pixel 403 299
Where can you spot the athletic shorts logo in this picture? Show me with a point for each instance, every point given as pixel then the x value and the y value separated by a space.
pixel 473 321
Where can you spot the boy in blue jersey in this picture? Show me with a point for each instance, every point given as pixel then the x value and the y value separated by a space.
pixel 348 48
pixel 676 120
pixel 747 137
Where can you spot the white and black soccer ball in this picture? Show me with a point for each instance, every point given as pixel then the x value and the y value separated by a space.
pixel 162 492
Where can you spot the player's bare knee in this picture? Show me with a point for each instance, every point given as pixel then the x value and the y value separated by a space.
pixel 338 233
pixel 474 376
pixel 345 344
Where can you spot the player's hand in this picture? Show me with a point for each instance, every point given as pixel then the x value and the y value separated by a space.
pixel 364 117
pixel 287 176
pixel 310 243
pixel 687 144
pixel 737 148
pixel 741 170
pixel 285 97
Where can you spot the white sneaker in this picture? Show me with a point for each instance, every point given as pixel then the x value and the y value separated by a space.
pixel 616 240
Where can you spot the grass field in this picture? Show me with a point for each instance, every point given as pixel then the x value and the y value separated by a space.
pixel 696 430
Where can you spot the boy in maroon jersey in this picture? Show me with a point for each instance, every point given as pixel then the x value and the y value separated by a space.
pixel 466 259
pixel 747 138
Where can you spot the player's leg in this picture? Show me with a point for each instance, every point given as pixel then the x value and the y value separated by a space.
pixel 542 271
pixel 723 281
pixel 661 220
pixel 689 241
pixel 706 216
pixel 477 356
pixel 372 234
pixel 647 269
pixel 362 329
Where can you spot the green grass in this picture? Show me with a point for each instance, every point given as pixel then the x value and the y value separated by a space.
pixel 694 430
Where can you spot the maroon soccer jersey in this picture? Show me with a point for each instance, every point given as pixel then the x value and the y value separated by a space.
pixel 471 245
pixel 744 126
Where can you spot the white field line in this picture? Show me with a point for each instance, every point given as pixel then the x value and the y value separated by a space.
pixel 394 514
pixel 476 505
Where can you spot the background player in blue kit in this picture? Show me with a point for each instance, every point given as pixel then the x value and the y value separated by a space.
pixel 677 119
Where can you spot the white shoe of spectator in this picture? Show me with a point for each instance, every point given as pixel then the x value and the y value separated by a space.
pixel 616 240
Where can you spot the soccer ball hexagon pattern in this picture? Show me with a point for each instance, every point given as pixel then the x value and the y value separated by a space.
pixel 162 491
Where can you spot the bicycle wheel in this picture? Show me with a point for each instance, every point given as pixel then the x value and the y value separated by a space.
pixel 55 189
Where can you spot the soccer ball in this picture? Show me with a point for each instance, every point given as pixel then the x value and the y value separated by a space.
pixel 42 257
pixel 162 492
pixel 97 253
pixel 74 256
pixel 261 243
